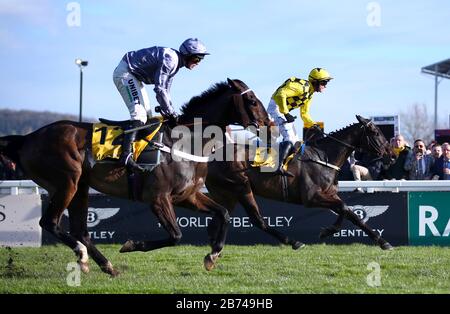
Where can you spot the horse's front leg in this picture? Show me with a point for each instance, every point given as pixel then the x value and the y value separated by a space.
pixel 315 197
pixel 328 231
pixel 201 202
pixel 350 215
pixel 163 209
pixel 251 207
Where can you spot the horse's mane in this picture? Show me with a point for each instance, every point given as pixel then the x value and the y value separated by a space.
pixel 339 132
pixel 194 106
pixel 343 129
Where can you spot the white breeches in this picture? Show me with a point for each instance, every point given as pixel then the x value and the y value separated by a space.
pixel 287 130
pixel 133 93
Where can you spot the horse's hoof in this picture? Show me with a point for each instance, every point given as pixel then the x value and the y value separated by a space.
pixel 209 262
pixel 109 269
pixel 387 246
pixel 114 273
pixel 129 246
pixel 324 233
pixel 298 245
pixel 84 267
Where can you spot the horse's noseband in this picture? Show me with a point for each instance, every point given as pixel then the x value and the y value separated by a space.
pixel 370 142
pixel 253 120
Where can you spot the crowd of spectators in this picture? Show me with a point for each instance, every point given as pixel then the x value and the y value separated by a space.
pixel 9 170
pixel 420 162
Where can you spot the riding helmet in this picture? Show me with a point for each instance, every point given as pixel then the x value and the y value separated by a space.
pixel 193 46
pixel 319 74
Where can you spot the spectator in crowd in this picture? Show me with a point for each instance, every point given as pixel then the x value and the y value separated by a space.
pixel 397 170
pixel 436 151
pixel 441 169
pixel 367 167
pixel 6 168
pixel 430 147
pixel 418 163
pixel 346 173
pixel 9 170
pixel 2 169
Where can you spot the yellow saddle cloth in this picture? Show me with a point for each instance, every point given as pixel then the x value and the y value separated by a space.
pixel 268 157
pixel 107 143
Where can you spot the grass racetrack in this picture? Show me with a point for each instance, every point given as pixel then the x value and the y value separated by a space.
pixel 242 269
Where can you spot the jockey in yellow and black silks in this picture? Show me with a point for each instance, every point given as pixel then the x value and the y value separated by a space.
pixel 295 93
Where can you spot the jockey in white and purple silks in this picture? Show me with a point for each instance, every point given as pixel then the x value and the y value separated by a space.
pixel 157 66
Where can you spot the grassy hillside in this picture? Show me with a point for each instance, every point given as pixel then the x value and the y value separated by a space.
pixel 22 122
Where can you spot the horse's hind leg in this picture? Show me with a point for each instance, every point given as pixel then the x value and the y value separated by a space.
pixel 50 221
pixel 369 231
pixel 328 231
pixel 163 209
pixel 202 202
pixel 321 199
pixel 252 209
pixel 78 211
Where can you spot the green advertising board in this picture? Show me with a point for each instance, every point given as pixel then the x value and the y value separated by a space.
pixel 429 218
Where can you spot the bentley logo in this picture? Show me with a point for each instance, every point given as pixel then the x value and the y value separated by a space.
pixel 366 212
pixel 95 215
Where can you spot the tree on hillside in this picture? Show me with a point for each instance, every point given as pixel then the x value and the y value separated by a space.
pixel 416 123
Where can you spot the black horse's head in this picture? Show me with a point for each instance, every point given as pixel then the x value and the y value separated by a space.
pixel 374 141
pixel 248 110
pixel 231 102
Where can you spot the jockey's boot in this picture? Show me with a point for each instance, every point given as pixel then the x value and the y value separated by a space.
pixel 126 158
pixel 284 150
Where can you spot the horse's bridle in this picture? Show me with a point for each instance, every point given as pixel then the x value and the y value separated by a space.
pixel 242 100
pixel 370 143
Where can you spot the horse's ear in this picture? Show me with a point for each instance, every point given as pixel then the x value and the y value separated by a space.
pixel 362 120
pixel 232 83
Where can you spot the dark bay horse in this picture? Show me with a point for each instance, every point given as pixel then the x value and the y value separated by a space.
pixel 56 157
pixel 314 183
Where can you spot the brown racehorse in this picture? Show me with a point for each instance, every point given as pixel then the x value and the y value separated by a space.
pixel 314 183
pixel 56 157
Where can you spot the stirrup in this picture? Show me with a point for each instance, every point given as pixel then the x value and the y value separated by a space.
pixel 130 164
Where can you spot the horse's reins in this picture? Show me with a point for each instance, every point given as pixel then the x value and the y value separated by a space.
pixel 337 140
pixel 167 149
pixel 143 127
pixel 165 120
pixel 325 163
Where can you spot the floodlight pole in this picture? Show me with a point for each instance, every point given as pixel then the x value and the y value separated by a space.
pixel 435 96
pixel 81 64
pixel 81 95
pixel 439 70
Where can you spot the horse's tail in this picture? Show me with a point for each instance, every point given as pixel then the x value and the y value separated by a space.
pixel 10 145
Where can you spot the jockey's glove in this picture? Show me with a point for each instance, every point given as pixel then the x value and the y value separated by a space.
pixel 289 118
pixel 172 120
pixel 316 127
